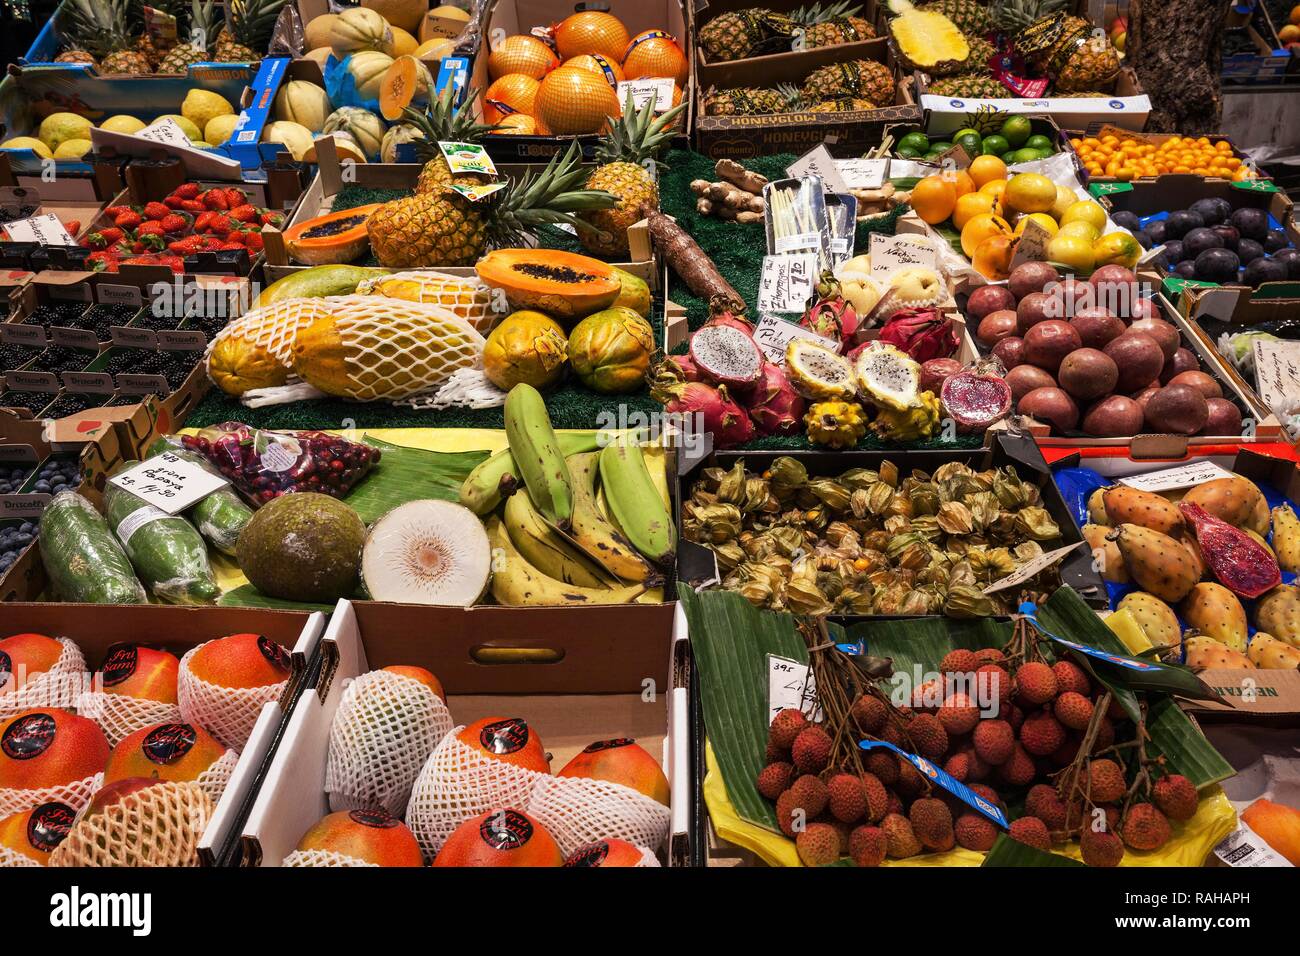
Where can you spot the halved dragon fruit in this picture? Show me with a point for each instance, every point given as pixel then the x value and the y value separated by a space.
pixel 975 399
pixel 725 355
pixel 818 372
pixel 1243 565
pixel 722 312
pixel 774 404
pixel 887 376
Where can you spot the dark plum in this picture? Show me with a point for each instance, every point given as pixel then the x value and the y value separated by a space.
pixel 1213 211
pixel 1228 234
pixel 1291 257
pixel 1217 265
pixel 1156 230
pixel 1198 240
pixel 1264 270
pixel 1126 220
pixel 1248 250
pixel 1251 223
pixel 1175 251
pixel 1143 239
pixel 1181 222
pixel 1275 240
pixel 1186 269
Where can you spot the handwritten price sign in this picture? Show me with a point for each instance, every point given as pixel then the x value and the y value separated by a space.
pixel 168 483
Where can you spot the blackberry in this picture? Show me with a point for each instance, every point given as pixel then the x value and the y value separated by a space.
pixel 70 403
pixel 14 357
pixel 209 325
pixel 147 320
pixel 58 358
pixel 32 401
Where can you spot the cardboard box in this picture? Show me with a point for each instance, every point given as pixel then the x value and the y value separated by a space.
pixel 591 686
pixel 845 134
pixel 95 629
pixel 1098 130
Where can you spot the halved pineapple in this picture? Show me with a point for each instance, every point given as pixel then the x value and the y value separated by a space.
pixel 928 41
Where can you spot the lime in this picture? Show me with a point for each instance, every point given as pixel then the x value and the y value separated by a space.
pixel 1009 157
pixel 962 132
pixel 995 145
pixel 1039 141
pixel 969 141
pixel 1043 153
pixel 931 155
pixel 906 152
pixel 916 142
pixel 942 146
pixel 1016 130
pixel 1025 155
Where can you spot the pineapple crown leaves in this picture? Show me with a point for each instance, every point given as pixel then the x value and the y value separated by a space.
pixel 638 134
pixel 253 21
pixel 812 15
pixel 202 26
pixel 97 26
pixel 547 197
pixel 1012 16
pixel 444 121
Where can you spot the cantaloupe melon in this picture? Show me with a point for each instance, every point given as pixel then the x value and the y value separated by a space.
pixel 405 14
pixel 317 32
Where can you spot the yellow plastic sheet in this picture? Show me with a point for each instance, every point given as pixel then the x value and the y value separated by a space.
pixel 1191 845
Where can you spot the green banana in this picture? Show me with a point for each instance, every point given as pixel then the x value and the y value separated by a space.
pixel 516 583
pixel 498 476
pixel 594 534
pixel 548 550
pixel 537 452
pixel 634 502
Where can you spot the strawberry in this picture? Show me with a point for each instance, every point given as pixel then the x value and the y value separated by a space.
pixel 244 213
pixel 150 228
pixel 187 191
pixel 102 262
pixel 235 197
pixel 253 240
pixel 156 210
pixel 175 263
pixel 270 218
pixel 117 210
pixel 128 220
pixel 173 202
pixel 215 199
pixel 231 244
pixel 186 247
pixel 202 219
pixel 112 235
pixel 73 226
pixel 221 224
pixel 145 260
pixel 96 240
pixel 174 224
pixel 192 205
pixel 149 242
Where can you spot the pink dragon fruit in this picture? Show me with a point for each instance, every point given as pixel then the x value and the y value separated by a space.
pixel 1243 565
pixel 708 409
pixel 829 314
pixel 975 399
pixel 774 405
pixel 922 333
pixel 722 311
pixel 725 355
pixel 686 368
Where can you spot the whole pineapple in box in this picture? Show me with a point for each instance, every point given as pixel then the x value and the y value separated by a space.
pixel 197 46
pixel 1070 52
pixel 867 79
pixel 741 33
pixel 98 29
pixel 749 101
pixel 247 33
pixel 1013 16
pixel 443 121
pixel 928 41
pixel 845 104
pixel 837 23
pixel 972 17
pixel 635 137
pixel 969 86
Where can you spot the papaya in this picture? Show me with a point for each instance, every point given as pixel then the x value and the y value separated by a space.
pixel 336 237
pixel 317 283
pixel 562 284
pixel 635 294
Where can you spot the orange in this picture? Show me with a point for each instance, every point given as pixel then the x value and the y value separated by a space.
pixel 934 198
pixel 522 54
pixel 500 838
pixel 986 169
pixel 513 93
pixel 992 259
pixel 961 182
pixel 591 31
pixel 970 206
pixel 573 101
pixel 980 228
pixel 372 836
pixel 620 761
pixel 508 739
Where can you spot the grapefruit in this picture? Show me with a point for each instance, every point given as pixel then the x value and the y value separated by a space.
pixel 142 672
pixel 172 751
pixel 513 93
pixel 370 835
pixel 49 748
pixel 241 660
pixel 613 853
pixel 620 761
pixel 500 838
pixel 508 739
pixel 36 832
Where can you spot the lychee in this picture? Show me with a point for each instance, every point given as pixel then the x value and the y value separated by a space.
pixel 811 750
pixel 1065 753
pixel 994 741
pixel 990 655
pixel 845 798
pixel 895 804
pixel 910 782
pixel 932 823
pixel 1105 781
pixel 958 767
pixel 869 713
pixel 774 779
pixel 867 846
pixel 1100 848
pixel 1035 682
pixel 900 841
pixel 993 683
pixel 1105 735
pixel 1175 795
pixel 1073 710
pixel 884 765
pixel 929 695
pixel 928 736
pixel 1044 803
pixel 960 661
pixel 1032 832
pixel 974 831
pixel 810 795
pixel 1070 677
pixel 1145 828
pixel 1019 769
pixel 818 845
pixel 1041 733
pixel 875 795
pixel 785 727
pixel 1014 716
pixel 959 715
pixel 786 810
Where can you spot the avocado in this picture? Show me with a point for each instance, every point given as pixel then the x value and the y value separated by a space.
pixel 303 547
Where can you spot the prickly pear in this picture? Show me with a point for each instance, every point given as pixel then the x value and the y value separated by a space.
pixel 1278 613
pixel 1244 566
pixel 1097 508
pixel 1125 505
pixel 1203 652
pixel 1228 499
pixel 1286 538
pixel 1105 553
pixel 1156 618
pixel 1269 653
pixel 1215 611
pixel 1157 562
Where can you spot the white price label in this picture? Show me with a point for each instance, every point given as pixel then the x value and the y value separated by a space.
pixel 818 161
pixel 1184 476
pixel 660 90
pixel 1245 848
pixel 169 483
pixel 1277 371
pixel 1032 568
pixel 773 333
pixel 890 254
pixel 787 282
pixel 863 173
pixel 46 229
pixel 790 685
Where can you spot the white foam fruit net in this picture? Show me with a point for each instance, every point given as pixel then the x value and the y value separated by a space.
pixel 393 348
pixel 119 716
pixel 274 327
pixel 10 858
pixel 75 794
pixel 385 728
pixel 228 713
pixel 157 826
pixel 464 296
pixel 579 810
pixel 333 858
pixel 213 780
pixel 57 687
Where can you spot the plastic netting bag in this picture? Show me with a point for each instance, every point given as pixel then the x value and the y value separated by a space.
pixel 119 716
pixel 304 858
pixel 385 728
pixel 57 687
pixel 75 794
pixel 228 713
pixel 157 826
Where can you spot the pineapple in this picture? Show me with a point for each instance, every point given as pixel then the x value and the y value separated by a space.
pixel 972 17
pixel 981 51
pixel 1012 16
pixel 443 228
pixel 741 33
pixel 196 50
pixel 969 86
pixel 76 56
pixel 633 138
pixel 98 27
pixel 443 122
pixel 867 79
pixel 248 30
pixel 928 41
pixel 835 24
pixel 1067 50
pixel 748 101
pixel 845 104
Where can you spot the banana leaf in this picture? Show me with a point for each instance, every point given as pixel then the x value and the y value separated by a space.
pixel 922 642
pixel 410 474
pixel 1009 852
pixel 249 596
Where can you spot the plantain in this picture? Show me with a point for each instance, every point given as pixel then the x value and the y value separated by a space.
pixel 516 583
pixel 596 535
pixel 538 455
pixel 635 503
pixel 498 476
pixel 547 550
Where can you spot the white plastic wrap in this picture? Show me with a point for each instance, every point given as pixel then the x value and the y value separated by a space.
pixel 57 687
pixel 228 713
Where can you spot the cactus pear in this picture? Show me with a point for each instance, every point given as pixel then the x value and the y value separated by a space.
pixel 1203 652
pixel 1097 508
pixel 1158 563
pixel 1228 499
pixel 1109 562
pixel 1125 505
pixel 1286 538
pixel 1278 613
pixel 1156 618
pixel 1269 653
pixel 1245 567
pixel 1258 520
pixel 1215 611
pixel 1189 542
pixel 1258 540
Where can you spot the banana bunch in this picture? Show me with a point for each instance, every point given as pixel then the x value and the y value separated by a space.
pixel 580 524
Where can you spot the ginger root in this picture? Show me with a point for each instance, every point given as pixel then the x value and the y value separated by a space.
pixel 725 195
pixel 739 176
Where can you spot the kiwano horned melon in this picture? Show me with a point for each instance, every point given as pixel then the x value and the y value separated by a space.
pixel 334 238
pixel 562 284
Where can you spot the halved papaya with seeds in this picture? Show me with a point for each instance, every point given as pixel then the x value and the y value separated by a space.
pixel 405 82
pixel 330 239
pixel 562 284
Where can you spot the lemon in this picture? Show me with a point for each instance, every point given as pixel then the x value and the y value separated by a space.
pixel 1042 218
pixel 200 106
pixel 1084 230
pixel 1030 192
pixel 1073 252
pixel 73 149
pixel 1065 198
pixel 187 126
pixel 219 128
pixel 122 123
pixel 58 127
pixel 1085 210
pixel 1118 248
pixel 28 142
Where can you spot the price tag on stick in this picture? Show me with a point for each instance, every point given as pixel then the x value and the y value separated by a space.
pixel 786 282
pixel 169 483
